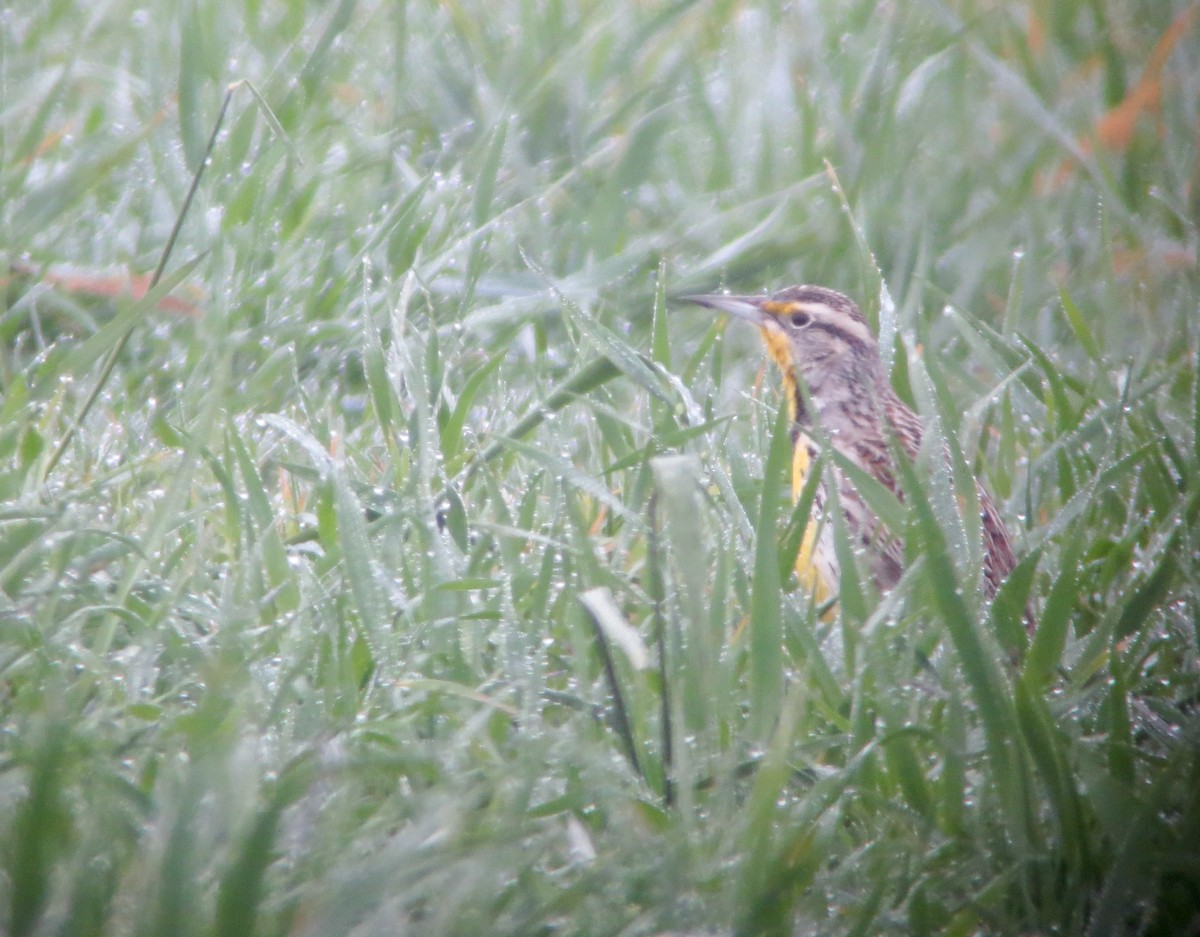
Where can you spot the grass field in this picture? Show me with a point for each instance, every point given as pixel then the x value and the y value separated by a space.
pixel 406 562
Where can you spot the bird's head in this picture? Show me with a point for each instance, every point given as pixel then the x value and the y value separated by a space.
pixel 808 330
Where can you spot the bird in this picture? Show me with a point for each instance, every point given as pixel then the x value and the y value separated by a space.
pixel 833 376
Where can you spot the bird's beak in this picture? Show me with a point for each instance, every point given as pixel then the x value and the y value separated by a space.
pixel 743 307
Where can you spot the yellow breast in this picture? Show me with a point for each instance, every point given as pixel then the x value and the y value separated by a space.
pixel 816 564
pixel 780 351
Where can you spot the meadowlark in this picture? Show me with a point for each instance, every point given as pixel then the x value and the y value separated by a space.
pixel 830 364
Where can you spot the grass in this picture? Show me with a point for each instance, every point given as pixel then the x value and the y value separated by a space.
pixel 418 569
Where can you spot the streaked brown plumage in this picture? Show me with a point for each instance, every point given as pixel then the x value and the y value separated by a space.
pixel 819 337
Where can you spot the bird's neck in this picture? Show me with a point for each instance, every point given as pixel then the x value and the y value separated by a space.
pixel 835 398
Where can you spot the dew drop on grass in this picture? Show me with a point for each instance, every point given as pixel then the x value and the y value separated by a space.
pixel 212 219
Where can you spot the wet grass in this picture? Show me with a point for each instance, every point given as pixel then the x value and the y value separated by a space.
pixel 418 568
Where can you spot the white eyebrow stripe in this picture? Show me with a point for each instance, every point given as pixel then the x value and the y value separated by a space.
pixel 836 321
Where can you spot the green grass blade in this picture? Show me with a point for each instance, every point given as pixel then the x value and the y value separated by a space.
pixel 766 625
pixel 241 891
pixel 978 663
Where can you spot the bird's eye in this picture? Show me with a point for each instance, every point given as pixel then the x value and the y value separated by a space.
pixel 801 320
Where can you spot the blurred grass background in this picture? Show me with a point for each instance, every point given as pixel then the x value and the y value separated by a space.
pixel 299 636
